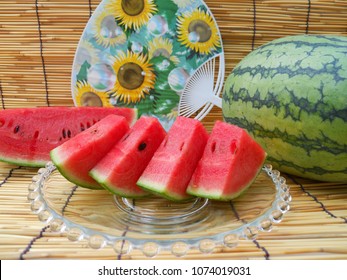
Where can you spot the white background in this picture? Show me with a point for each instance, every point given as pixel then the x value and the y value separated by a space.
pixel 88 270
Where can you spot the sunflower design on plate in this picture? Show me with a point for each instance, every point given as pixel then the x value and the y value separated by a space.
pixel 197 31
pixel 86 95
pixel 106 30
pixel 132 13
pixel 160 46
pixel 135 77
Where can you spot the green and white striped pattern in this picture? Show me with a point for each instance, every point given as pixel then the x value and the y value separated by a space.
pixel 291 96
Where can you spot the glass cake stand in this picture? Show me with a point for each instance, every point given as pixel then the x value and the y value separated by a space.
pixel 155 224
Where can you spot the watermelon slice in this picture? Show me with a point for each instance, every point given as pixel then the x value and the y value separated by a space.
pixel 120 169
pixel 169 171
pixel 77 156
pixel 230 163
pixel 28 135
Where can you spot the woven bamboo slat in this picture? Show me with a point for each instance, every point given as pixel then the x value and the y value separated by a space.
pixel 37 45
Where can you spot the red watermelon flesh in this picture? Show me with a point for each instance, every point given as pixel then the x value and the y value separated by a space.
pixel 120 169
pixel 77 156
pixel 28 135
pixel 169 171
pixel 230 163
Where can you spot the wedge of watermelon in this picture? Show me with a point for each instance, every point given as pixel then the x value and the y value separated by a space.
pixel 169 171
pixel 77 156
pixel 120 169
pixel 230 163
pixel 28 135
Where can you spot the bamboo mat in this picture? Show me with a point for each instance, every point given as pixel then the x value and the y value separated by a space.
pixel 314 228
pixel 37 44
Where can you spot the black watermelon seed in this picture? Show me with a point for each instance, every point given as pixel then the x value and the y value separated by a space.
pixel 142 146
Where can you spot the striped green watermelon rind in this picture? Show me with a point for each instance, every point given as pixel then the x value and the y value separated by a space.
pixel 291 96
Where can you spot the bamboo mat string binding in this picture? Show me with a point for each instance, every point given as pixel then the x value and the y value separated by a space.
pixel 31 243
pixel 308 16
pixel 254 23
pixel 90 8
pixel 119 257
pixel 2 97
pixel 10 173
pixel 257 244
pixel 324 208
pixel 41 51
pixel 68 199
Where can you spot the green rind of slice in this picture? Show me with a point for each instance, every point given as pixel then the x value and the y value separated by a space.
pixel 114 189
pixel 150 187
pixel 118 191
pixel 69 176
pixel 200 193
pixel 21 162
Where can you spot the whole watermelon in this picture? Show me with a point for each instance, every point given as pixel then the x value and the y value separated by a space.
pixel 291 96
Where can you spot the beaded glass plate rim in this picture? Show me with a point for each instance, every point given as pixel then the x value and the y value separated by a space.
pixel 151 247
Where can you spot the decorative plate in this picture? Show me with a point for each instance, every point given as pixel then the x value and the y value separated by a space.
pixel 142 53
pixel 155 224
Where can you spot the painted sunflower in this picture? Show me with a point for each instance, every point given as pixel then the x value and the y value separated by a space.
pixel 86 53
pixel 173 114
pixel 107 32
pixel 132 13
pixel 86 95
pixel 135 77
pixel 160 46
pixel 197 31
